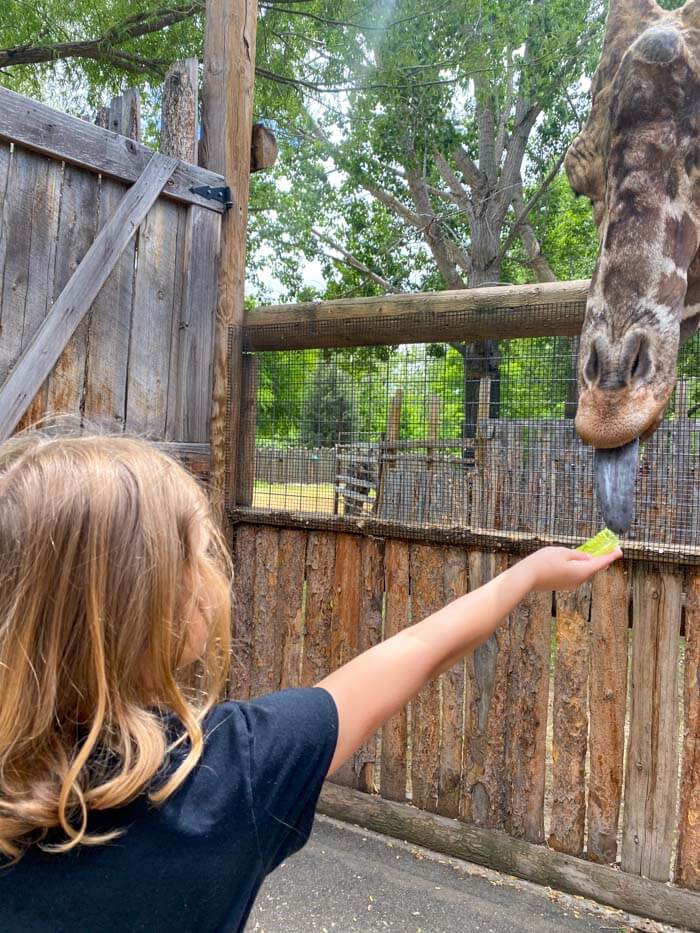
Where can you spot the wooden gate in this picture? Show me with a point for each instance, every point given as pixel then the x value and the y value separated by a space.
pixel 108 272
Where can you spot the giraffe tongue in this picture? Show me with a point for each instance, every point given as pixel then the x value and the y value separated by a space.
pixel 616 472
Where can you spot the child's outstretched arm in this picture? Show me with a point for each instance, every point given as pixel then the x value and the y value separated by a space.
pixel 379 682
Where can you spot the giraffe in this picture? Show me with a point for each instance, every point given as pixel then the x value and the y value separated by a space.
pixel 638 160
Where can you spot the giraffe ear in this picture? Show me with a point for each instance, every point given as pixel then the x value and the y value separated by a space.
pixel 690 14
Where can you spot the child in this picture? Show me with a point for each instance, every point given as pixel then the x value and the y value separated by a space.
pixel 130 799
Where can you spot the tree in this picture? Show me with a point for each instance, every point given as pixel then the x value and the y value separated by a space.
pixel 328 413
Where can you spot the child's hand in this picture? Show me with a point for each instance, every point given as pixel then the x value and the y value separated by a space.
pixel 558 568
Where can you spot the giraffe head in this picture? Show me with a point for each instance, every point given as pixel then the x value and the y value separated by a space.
pixel 638 160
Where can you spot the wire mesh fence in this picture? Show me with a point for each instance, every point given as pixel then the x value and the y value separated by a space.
pixel 478 437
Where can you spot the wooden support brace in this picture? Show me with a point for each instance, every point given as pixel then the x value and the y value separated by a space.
pixel 75 300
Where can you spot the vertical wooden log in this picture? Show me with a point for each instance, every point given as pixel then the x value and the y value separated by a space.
pixel 290 603
pixel 345 626
pixel 484 797
pixel 396 617
pixel 570 733
pixel 426 597
pixel 652 755
pixel 320 563
pixel 124 115
pixel 454 579
pixel 227 121
pixel 178 129
pixel 266 666
pixel 370 634
pixel 688 862
pixel 528 694
pixel 242 622
pixel 608 699
pixel 245 452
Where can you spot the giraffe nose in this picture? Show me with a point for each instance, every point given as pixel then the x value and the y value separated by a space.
pixel 613 371
pixel 659 45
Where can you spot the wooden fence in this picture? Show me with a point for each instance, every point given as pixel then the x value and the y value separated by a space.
pixel 132 353
pixel 546 737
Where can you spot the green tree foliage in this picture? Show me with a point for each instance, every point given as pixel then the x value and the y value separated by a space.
pixel 328 416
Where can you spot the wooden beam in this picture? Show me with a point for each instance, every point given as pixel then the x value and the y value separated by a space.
pixel 33 367
pixel 35 126
pixel 263 149
pixel 227 122
pixel 511 542
pixel 504 853
pixel 548 309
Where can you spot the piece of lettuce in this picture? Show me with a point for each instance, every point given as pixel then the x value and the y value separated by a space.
pixel 602 543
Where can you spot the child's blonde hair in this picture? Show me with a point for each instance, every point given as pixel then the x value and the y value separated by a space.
pixel 107 551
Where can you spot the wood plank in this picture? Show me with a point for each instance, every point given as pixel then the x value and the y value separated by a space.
pixel 688 862
pixel 608 701
pixel 291 577
pixel 35 126
pixel 244 564
pixel 320 564
pixel 267 641
pixel 5 169
pixel 78 219
pixel 370 634
pixel 189 419
pixel 77 297
pixel 501 852
pixel 652 754
pixel 227 124
pixel 345 625
pixel 454 585
pixel 396 618
pixel 484 791
pixel 570 733
pixel 154 327
pixel 427 596
pixel 508 542
pixel 109 330
pixel 553 308
pixel 528 695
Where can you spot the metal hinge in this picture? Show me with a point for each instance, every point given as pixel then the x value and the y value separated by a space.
pixel 222 195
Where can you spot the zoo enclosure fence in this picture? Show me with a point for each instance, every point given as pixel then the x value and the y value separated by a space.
pixel 375 482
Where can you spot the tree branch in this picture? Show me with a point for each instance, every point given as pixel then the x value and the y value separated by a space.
pixel 355 263
pixel 458 193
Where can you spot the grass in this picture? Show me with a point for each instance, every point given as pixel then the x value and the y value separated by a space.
pixel 299 497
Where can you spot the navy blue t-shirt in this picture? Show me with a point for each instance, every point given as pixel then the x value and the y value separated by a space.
pixel 196 862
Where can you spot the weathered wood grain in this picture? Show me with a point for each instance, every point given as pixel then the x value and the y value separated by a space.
pixel 484 791
pixel 652 754
pixel 263 149
pixel 528 694
pixel 178 127
pixel 227 122
pixel 291 578
pixel 570 721
pixel 345 624
pixel 454 584
pixel 153 355
pixel 188 417
pixel 688 861
pixel 5 169
pixel 267 636
pixel 109 330
pixel 396 617
pixel 80 200
pixel 514 856
pixel 320 571
pixel 427 596
pixel 370 634
pixel 543 310
pixel 35 126
pixel 77 296
pixel 244 565
pixel 608 701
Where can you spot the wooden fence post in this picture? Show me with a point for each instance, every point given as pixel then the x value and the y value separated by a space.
pixel 227 121
pixel 245 451
pixel 178 133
